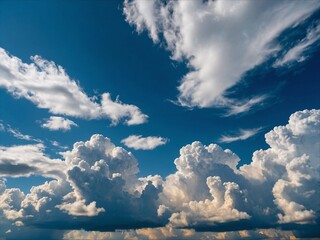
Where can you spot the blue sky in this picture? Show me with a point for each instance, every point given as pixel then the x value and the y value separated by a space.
pixel 227 81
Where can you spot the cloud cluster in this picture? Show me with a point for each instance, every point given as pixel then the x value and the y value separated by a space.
pixel 48 86
pixel 55 123
pixel 96 184
pixel 97 188
pixel 221 41
pixel 169 232
pixel 138 142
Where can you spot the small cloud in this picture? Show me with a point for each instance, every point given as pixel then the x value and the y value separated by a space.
pixel 244 106
pixel 243 134
pixel 55 123
pixel 138 142
pixel 58 145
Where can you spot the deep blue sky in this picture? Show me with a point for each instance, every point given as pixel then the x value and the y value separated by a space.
pixel 94 44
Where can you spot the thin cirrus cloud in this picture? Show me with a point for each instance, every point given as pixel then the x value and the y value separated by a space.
pixel 208 191
pixel 55 123
pixel 221 41
pixel 138 142
pixel 4 127
pixel 48 86
pixel 296 54
pixel 242 134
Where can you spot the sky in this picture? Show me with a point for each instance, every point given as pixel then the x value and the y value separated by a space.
pixel 149 119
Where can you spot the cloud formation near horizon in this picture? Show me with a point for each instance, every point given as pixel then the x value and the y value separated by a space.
pixel 48 86
pixel 221 41
pixel 97 185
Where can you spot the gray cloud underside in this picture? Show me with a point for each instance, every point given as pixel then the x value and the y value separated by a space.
pixel 97 187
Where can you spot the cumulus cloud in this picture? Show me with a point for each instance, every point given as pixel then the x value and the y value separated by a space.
pixel 123 200
pixel 168 232
pixel 278 187
pixel 292 165
pixel 220 40
pixel 242 135
pixel 55 123
pixel 138 142
pixel 100 189
pixel 48 86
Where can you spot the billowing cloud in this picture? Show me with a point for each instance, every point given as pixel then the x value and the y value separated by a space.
pixel 100 190
pixel 48 86
pixel 243 134
pixel 221 41
pixel 123 200
pixel 145 143
pixel 169 232
pixel 55 123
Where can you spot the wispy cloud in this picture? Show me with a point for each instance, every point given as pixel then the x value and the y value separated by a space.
pixel 218 49
pixel 16 133
pixel 58 145
pixel 296 53
pixel 48 86
pixel 138 142
pixel 242 134
pixel 236 107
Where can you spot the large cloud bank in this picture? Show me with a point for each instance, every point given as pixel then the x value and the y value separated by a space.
pixel 222 40
pixel 97 188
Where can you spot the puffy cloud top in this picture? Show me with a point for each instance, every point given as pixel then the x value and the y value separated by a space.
pixel 207 192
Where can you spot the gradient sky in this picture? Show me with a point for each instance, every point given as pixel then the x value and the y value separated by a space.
pixel 154 83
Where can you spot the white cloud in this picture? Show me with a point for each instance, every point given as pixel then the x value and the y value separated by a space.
pixel 291 165
pixel 99 184
pixel 242 135
pixel 117 110
pixel 55 123
pixel 48 86
pixel 95 164
pixel 219 209
pixel 296 53
pixel 220 40
pixel 138 142
pixel 79 208
pixel 26 160
pixel 203 190
pixel 169 232
pixel 58 145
